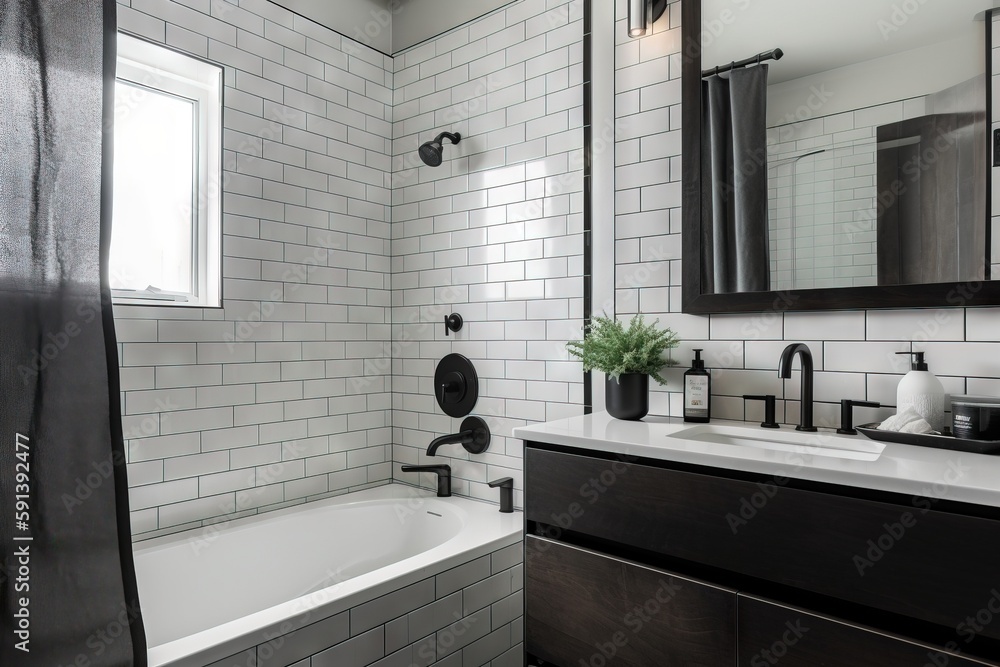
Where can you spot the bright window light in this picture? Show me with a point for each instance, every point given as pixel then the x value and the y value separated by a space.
pixel 165 234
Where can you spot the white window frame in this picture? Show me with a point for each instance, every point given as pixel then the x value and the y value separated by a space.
pixel 156 67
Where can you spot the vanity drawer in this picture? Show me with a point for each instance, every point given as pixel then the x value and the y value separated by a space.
pixel 931 565
pixel 582 607
pixel 770 633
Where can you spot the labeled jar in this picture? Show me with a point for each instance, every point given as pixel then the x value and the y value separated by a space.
pixel 975 417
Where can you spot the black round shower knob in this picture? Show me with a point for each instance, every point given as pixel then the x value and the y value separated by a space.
pixel 456 385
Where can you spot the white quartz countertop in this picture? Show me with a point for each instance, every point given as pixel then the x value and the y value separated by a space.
pixel 924 471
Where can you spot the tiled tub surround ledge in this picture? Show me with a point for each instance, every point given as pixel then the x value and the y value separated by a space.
pixel 390 576
pixel 918 471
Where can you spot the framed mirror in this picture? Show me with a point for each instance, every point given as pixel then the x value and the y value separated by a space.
pixel 838 155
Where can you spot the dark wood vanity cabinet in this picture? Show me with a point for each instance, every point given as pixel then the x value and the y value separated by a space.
pixel 775 634
pixel 584 605
pixel 608 525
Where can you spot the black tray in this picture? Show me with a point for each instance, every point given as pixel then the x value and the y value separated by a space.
pixel 938 441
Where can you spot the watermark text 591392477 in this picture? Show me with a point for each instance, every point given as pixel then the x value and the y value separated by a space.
pixel 21 543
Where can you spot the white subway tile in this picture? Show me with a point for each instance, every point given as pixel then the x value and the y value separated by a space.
pixel 825 326
pixel 196 465
pixel 981 360
pixel 757 326
pixel 160 447
pixel 983 324
pixel 937 324
pixel 861 357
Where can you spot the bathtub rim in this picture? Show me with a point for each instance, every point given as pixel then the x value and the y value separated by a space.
pixel 231 638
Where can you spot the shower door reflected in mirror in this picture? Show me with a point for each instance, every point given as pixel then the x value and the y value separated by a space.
pixel 877 145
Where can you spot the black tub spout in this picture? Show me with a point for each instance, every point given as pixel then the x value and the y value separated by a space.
pixel 474 436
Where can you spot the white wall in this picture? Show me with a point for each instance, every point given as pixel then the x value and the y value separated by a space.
pixel 342 254
pixel 854 351
pixel 494 234
pixel 283 395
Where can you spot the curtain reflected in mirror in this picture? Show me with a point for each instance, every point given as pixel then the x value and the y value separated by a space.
pixel 734 181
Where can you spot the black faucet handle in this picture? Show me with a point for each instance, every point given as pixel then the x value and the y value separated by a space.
pixel 769 409
pixel 506 485
pixel 443 472
pixel 453 322
pixel 453 388
pixel 847 414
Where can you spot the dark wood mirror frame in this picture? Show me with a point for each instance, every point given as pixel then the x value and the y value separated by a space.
pixel 980 293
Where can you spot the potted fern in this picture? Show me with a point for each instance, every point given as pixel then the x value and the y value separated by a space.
pixel 628 357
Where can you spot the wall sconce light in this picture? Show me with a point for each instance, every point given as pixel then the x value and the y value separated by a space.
pixel 637 20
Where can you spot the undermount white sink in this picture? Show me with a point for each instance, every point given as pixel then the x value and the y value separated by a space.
pixel 785 440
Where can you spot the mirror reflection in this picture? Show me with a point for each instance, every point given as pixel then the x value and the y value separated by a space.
pixel 844 144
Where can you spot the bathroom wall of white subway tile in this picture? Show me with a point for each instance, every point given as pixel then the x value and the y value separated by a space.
pixel 494 234
pixel 283 395
pixel 854 351
pixel 822 188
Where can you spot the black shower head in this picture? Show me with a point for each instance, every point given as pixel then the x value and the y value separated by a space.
pixel 432 152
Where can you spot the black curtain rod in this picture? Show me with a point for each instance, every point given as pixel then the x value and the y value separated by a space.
pixel 776 54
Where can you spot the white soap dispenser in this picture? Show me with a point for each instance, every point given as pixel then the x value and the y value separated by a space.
pixel 921 390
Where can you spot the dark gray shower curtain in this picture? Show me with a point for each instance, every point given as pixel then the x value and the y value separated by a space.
pixel 67 584
pixel 734 182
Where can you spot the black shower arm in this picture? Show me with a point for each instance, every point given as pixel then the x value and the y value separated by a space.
pixel 452 137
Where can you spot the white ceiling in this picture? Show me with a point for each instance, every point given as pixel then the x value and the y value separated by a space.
pixel 391 26
pixel 819 35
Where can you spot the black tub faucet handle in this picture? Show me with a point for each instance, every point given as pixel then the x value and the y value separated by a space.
pixel 506 485
pixel 443 473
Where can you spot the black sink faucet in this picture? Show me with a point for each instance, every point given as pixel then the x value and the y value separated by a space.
pixel 785 372
pixel 443 473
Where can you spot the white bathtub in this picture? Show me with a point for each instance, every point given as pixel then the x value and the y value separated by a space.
pixel 211 593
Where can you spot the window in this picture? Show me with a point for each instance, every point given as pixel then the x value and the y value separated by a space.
pixel 166 231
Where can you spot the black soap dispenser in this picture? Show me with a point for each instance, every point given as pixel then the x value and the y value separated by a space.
pixel 697 392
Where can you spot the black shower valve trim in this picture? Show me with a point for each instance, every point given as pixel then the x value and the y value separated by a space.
pixel 453 322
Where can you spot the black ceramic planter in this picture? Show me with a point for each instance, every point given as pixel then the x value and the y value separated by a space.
pixel 627 397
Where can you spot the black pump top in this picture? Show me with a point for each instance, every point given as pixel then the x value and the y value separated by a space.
pixel 918 363
pixel 698 361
